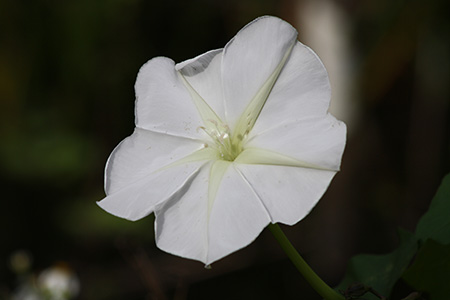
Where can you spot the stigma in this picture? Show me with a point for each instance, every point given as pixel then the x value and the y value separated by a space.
pixel 228 146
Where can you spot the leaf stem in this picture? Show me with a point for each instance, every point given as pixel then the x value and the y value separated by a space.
pixel 313 279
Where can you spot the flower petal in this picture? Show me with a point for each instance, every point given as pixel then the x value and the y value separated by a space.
pixel 288 193
pixel 318 141
pixel 163 103
pixel 140 198
pixel 142 172
pixel 185 227
pixel 301 91
pixel 181 222
pixel 261 156
pixel 203 73
pixel 142 153
pixel 237 217
pixel 250 58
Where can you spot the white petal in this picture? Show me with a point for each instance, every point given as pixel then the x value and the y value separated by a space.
pixel 163 103
pixel 288 193
pixel 142 153
pixel 142 171
pixel 261 156
pixel 250 58
pixel 204 75
pixel 218 169
pixel 237 217
pixel 301 91
pixel 318 141
pixel 139 199
pixel 181 222
pixel 185 227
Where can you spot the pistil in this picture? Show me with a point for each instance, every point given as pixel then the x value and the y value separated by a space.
pixel 228 148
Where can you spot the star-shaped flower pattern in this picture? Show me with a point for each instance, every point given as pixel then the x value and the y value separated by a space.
pixel 227 142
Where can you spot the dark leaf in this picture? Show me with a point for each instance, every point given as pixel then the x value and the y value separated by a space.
pixel 435 224
pixel 381 272
pixel 430 272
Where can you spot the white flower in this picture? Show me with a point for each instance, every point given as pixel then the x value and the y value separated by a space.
pixel 227 142
pixel 58 283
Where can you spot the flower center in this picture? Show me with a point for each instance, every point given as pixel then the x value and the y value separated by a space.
pixel 228 146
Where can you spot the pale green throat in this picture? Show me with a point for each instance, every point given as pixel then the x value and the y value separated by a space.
pixel 228 146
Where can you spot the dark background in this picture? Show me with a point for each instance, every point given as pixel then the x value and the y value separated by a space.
pixel 67 71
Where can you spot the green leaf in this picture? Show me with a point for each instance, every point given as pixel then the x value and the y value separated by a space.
pixel 435 224
pixel 430 271
pixel 381 272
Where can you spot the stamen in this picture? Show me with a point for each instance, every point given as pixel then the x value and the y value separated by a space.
pixel 228 148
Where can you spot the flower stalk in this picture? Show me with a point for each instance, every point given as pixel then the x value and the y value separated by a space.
pixel 313 279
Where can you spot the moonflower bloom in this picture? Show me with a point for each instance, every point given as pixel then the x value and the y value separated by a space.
pixel 227 142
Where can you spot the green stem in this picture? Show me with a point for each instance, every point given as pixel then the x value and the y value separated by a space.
pixel 315 281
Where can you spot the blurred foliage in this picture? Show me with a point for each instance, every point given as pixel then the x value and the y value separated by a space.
pixel 435 224
pixel 430 270
pixel 381 272
pixel 429 246
pixel 67 70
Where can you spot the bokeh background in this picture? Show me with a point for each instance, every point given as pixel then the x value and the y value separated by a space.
pixel 67 71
